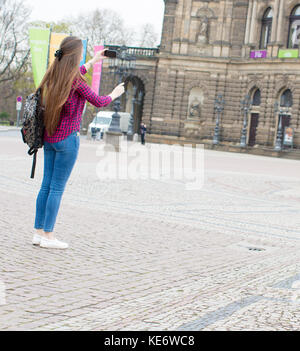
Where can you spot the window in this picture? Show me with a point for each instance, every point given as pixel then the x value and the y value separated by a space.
pixel 256 98
pixel 294 31
pixel 286 99
pixel 266 28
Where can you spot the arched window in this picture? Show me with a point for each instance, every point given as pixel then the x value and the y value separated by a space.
pixel 266 28
pixel 256 98
pixel 286 99
pixel 294 31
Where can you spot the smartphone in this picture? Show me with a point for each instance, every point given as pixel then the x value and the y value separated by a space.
pixel 110 53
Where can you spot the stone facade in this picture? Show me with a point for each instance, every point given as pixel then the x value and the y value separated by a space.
pixel 206 51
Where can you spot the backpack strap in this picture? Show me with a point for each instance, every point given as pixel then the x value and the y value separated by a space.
pixel 33 163
pixel 32 150
pixel 23 136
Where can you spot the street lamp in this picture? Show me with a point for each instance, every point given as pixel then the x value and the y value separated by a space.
pixel 139 103
pixel 122 66
pixel 219 107
pixel 281 110
pixel 246 107
pixel 131 121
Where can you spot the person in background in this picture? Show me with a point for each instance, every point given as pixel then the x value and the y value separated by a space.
pixel 64 94
pixel 143 132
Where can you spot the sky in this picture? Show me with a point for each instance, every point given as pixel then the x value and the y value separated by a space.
pixel 134 12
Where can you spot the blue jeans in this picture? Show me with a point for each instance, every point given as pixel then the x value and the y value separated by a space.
pixel 59 160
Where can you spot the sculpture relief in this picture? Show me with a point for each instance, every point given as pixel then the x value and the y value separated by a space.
pixel 195 109
pixel 192 133
pixel 195 113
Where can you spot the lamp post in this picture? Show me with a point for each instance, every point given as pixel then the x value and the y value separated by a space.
pixel 122 67
pixel 246 107
pixel 139 105
pixel 131 121
pixel 219 107
pixel 281 110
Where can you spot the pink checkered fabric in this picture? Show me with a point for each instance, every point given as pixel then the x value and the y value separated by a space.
pixel 70 116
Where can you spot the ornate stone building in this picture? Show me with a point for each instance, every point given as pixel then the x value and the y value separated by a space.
pixel 230 47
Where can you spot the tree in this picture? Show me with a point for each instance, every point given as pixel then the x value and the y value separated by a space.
pixel 56 27
pixel 14 51
pixel 148 36
pixel 102 26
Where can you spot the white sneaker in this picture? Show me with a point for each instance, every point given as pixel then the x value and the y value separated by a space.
pixel 36 239
pixel 53 244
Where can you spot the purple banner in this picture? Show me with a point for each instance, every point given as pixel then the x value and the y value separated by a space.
pixel 258 54
pixel 97 71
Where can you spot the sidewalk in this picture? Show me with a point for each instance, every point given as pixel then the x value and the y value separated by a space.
pixel 9 128
pixel 150 255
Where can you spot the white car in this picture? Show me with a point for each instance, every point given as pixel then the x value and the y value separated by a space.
pixel 102 122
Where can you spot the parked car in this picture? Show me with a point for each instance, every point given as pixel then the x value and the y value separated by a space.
pixel 102 121
pixel 100 124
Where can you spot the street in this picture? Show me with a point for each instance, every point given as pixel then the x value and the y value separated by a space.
pixel 148 254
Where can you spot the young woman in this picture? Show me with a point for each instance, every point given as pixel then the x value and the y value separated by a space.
pixel 64 93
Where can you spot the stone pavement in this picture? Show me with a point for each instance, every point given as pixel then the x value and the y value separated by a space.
pixel 149 254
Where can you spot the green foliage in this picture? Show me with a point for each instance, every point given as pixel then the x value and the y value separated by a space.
pixel 4 116
pixel 89 73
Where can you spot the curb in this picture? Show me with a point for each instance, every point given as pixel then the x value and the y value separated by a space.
pixel 9 129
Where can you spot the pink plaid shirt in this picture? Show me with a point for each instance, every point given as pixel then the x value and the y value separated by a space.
pixel 70 116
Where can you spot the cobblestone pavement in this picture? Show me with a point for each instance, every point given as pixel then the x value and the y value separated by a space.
pixel 149 254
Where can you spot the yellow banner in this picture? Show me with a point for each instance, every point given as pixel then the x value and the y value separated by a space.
pixel 56 39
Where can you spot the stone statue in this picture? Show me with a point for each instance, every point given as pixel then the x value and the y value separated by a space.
pixel 195 109
pixel 203 31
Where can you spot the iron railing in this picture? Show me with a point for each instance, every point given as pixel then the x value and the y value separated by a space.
pixel 136 51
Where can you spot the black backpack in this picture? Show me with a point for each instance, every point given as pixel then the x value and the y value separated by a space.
pixel 33 125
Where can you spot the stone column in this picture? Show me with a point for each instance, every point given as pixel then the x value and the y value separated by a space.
pixel 185 27
pixel 179 15
pixel 253 23
pixel 280 20
pixel 275 21
pixel 247 33
pixel 229 22
pixel 168 25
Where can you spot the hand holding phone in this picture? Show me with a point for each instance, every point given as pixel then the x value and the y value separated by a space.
pixel 100 55
pixel 110 53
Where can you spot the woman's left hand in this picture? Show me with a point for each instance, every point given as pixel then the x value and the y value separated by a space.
pixel 100 56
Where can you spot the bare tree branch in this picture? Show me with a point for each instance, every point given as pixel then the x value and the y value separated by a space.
pixel 13 39
pixel 148 36
pixel 102 26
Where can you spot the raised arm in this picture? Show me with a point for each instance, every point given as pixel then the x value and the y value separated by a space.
pixel 83 70
pixel 99 101
pixel 89 94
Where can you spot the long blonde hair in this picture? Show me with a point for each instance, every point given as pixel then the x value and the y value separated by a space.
pixel 57 83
